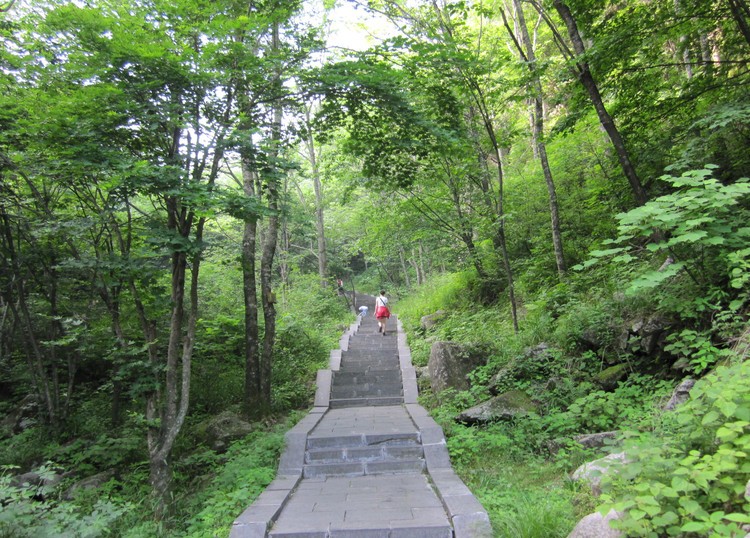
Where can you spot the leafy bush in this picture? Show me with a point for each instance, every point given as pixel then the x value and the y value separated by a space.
pixel 250 466
pixel 631 405
pixel 447 291
pixel 31 512
pixel 691 478
pixel 297 356
pixel 701 227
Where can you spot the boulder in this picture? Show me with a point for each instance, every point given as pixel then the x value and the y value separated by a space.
pixel 92 482
pixel 429 321
pixel 20 418
pixel 594 338
pixel 42 480
pixel 593 471
pixel 610 377
pixel 423 372
pixel 652 335
pixel 680 395
pixel 647 336
pixel 224 428
pixel 586 440
pixel 505 406
pixel 596 440
pixel 449 365
pixel 597 526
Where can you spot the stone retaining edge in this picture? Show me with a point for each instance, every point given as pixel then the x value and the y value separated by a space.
pixel 468 516
pixel 259 517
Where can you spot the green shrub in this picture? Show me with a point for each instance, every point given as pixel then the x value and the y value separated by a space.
pixel 447 291
pixel 249 467
pixel 633 404
pixel 31 512
pixel 690 478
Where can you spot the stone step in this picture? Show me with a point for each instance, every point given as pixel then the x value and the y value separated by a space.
pixel 359 367
pixel 375 343
pixel 364 454
pixel 369 353
pixel 364 402
pixel 347 377
pixel 362 468
pixel 364 367
pixel 364 440
pixel 369 358
pixel 379 529
pixel 366 391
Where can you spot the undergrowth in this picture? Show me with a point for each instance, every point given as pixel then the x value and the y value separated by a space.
pixel 519 469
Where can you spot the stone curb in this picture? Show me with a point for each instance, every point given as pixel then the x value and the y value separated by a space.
pixel 408 372
pixel 258 518
pixel 468 516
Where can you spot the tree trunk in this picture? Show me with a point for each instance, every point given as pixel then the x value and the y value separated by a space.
pixel 160 478
pixel 319 220
pixel 741 13
pixel 404 269
pixel 538 138
pixel 413 261
pixel 587 79
pixel 268 298
pixel 253 400
pixel 486 116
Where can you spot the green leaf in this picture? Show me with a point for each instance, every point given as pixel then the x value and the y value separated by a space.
pixel 738 518
pixel 709 417
pixel 694 526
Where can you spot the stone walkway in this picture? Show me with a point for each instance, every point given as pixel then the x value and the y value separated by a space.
pixel 367 461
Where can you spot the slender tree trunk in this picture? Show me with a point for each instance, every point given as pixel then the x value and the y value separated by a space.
pixel 404 269
pixel 268 299
pixel 587 79
pixel 253 398
pixel 413 261
pixel 473 86
pixel 319 218
pixel 741 13
pixel 538 138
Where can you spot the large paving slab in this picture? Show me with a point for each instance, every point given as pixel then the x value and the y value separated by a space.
pixel 364 420
pixel 383 505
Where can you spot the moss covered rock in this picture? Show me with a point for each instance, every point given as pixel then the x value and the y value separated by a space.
pixel 505 406
pixel 609 378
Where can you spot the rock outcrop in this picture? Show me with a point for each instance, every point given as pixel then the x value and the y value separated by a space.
pixel 505 406
pixel 429 321
pixel 449 365
pixel 593 471
pixel 221 430
pixel 610 377
pixel 597 526
pixel 680 395
pixel 92 482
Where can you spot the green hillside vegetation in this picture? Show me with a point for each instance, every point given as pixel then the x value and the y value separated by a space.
pixel 183 183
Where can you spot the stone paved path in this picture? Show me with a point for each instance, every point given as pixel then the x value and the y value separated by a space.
pixel 367 461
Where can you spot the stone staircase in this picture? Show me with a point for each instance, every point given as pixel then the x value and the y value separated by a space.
pixel 367 461
pixel 370 372
pixel 359 455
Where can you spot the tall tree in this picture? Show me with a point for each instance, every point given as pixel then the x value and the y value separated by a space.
pixel 312 155
pixel 588 82
pixel 527 54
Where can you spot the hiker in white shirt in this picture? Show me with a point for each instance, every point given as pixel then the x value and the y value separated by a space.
pixel 382 313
